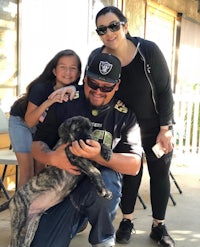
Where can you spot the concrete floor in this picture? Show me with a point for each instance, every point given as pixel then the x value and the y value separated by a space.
pixel 182 220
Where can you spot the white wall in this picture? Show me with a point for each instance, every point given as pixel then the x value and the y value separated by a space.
pixel 48 26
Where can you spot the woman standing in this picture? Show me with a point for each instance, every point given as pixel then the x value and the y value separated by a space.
pixel 146 88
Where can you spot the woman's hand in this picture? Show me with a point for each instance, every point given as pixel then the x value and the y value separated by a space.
pixel 90 149
pixel 165 137
pixel 64 93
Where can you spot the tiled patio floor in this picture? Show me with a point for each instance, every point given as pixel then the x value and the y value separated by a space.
pixel 182 220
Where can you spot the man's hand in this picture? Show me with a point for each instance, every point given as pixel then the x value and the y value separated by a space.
pixel 42 153
pixel 62 162
pixel 90 149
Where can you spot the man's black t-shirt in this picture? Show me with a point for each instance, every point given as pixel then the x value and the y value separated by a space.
pixel 114 125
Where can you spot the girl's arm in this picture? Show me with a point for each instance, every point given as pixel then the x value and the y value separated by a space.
pixel 34 112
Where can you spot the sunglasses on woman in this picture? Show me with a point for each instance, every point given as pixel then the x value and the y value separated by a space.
pixel 103 89
pixel 113 27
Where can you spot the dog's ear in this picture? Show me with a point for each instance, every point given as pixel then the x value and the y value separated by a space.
pixel 86 129
pixel 63 130
pixel 87 125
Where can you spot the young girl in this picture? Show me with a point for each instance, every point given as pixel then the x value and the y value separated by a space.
pixel 62 70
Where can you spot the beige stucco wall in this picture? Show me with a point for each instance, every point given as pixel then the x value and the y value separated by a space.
pixel 135 12
pixel 187 7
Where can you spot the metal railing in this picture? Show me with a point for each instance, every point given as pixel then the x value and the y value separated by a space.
pixel 187 127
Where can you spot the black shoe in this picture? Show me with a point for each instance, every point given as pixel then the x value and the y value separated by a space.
pixel 124 232
pixel 161 236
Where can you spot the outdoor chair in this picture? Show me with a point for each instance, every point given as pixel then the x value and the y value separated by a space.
pixel 7 156
pixel 170 196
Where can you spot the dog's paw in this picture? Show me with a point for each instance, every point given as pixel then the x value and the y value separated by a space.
pixel 106 152
pixel 106 194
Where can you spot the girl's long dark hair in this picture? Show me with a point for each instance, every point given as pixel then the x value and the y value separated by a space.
pixel 48 76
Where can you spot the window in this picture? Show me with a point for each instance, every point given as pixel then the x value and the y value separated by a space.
pixel 8 52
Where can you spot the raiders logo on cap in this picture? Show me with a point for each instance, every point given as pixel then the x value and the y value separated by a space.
pixel 105 67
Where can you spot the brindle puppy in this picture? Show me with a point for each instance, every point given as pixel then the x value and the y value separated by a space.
pixel 52 185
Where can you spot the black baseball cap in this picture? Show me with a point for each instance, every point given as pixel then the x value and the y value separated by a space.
pixel 104 67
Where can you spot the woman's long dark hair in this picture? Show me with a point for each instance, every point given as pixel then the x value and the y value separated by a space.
pixel 114 10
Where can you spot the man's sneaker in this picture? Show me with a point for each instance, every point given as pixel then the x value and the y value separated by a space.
pixel 160 235
pixel 124 232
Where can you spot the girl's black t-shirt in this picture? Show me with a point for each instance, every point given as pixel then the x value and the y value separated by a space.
pixel 38 94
